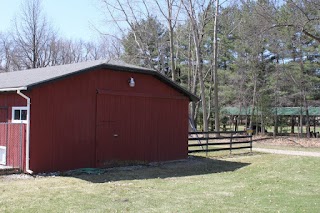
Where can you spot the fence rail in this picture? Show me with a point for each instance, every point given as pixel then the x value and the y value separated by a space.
pixel 206 141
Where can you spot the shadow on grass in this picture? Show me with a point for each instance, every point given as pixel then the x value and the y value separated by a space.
pixel 192 166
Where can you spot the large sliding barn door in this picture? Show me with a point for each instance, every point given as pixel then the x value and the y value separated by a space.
pixel 120 128
pixel 139 128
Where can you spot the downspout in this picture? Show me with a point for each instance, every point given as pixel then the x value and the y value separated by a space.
pixel 27 132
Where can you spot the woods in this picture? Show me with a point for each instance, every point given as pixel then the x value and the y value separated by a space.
pixel 247 54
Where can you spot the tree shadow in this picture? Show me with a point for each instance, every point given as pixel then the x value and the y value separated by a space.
pixel 192 166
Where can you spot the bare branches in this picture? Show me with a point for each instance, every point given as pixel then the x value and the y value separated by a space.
pixel 303 16
pixel 317 38
pixel 34 43
pixel 33 36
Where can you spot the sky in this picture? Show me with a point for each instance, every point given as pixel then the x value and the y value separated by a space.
pixel 73 19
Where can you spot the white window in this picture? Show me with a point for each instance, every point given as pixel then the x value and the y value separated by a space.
pixel 19 114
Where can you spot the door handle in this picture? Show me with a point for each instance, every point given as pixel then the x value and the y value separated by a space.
pixel 115 135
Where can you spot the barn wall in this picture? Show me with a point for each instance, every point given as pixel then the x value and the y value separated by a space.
pixel 64 122
pixel 146 128
pixel 12 136
pixel 7 101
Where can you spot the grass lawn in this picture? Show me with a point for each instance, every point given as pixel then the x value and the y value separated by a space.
pixel 238 183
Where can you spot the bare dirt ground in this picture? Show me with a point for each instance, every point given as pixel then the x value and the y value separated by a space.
pixel 288 141
pixel 288 152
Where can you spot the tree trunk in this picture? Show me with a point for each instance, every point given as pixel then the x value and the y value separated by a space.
pixel 275 129
pixel 253 100
pixel 215 76
pixel 301 122
pixel 262 124
pixel 203 95
pixel 192 82
pixel 293 121
pixel 307 115
pixel 199 62
pixel 173 66
pixel 236 124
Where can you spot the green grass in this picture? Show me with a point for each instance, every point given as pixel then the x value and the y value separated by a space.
pixel 237 183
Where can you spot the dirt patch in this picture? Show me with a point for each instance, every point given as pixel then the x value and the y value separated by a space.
pixel 288 141
pixel 16 177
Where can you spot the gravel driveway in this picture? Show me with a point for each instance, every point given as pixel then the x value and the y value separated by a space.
pixel 287 152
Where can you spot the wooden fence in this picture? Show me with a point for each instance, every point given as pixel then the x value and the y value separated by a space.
pixel 218 141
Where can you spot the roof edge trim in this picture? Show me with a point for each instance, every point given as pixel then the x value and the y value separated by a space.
pixel 13 89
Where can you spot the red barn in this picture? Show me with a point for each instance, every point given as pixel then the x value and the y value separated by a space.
pixel 95 113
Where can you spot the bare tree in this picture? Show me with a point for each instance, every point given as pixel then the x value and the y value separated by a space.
pixel 124 14
pixel 8 61
pixel 300 15
pixel 32 36
pixel 215 68
pixel 198 13
pixel 171 19
pixel 142 35
pixel 304 17
pixel 4 56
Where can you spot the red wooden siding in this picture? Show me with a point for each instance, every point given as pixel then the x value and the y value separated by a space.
pixel 140 128
pixel 7 101
pixel 73 121
pixel 12 136
pixel 3 114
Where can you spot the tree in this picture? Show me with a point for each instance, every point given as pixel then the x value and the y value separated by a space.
pixel 5 53
pixel 258 50
pixel 215 68
pixel 32 36
pixel 142 35
pixel 198 14
pixel 304 17
pixel 145 44
pixel 171 18
pixel 65 51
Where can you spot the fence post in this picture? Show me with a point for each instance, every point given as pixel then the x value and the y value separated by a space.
pixel 207 141
pixel 231 143
pixel 250 143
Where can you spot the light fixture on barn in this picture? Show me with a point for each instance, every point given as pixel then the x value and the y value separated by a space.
pixel 131 82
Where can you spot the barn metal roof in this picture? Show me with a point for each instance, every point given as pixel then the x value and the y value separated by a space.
pixel 27 79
